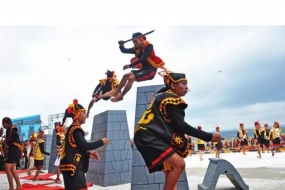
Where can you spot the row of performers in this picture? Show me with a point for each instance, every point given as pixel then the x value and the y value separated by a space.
pixel 263 138
pixel 271 137
pixel 12 149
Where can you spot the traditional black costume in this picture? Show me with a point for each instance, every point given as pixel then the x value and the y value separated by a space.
pixel 276 134
pixel 106 86
pixel 267 135
pixel 145 59
pixel 218 145
pixel 15 148
pixel 75 156
pixel 259 135
pixel 160 132
pixel 200 143
pixel 242 135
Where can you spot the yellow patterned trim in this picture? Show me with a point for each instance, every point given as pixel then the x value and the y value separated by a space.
pixel 241 134
pixel 276 132
pixel 267 137
pixel 115 84
pixel 71 140
pixel 175 81
pixel 77 158
pixel 165 102
pixel 102 82
pixel 68 167
pixel 199 141
pixel 139 127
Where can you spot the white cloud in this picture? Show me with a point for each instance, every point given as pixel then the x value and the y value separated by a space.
pixel 38 77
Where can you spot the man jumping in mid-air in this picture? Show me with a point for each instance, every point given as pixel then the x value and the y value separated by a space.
pixel 145 57
pixel 105 85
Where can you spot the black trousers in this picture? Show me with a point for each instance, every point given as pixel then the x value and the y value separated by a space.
pixel 76 182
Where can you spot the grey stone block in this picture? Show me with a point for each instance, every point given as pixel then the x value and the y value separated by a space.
pixel 53 153
pixel 141 178
pixel 219 167
pixel 115 164
pixel 48 147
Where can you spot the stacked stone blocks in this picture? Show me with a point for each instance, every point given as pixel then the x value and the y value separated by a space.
pixel 115 164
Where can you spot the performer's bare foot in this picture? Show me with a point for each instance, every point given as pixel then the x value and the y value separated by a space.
pixel 259 157
pixel 87 115
pixel 118 98
pixel 112 93
pixel 35 179
pixel 18 188
pixel 273 154
pixel 29 172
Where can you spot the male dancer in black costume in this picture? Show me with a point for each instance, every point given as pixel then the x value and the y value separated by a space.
pixel 145 56
pixel 161 131
pixel 218 145
pixel 259 136
pixel 242 135
pixel 105 85
pixel 75 156
pixel 267 136
pixel 14 150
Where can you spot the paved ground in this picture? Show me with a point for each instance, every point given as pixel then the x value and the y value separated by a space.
pixel 265 174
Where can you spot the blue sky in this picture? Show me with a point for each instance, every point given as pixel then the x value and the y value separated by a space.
pixel 38 78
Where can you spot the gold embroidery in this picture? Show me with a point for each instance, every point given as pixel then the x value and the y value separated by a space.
pixel 77 158
pixel 139 127
pixel 68 167
pixel 147 116
pixel 267 137
pixel 70 136
pixel 115 84
pixel 199 141
pixel 178 140
pixel 276 132
pixel 60 147
pixel 172 100
pixel 175 81
pixel 102 82
pixel 241 133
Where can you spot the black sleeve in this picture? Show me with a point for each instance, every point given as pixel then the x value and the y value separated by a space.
pixel 58 140
pixel 144 55
pixel 83 144
pixel 97 88
pixel 238 135
pixel 127 50
pixel 42 148
pixel 177 120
